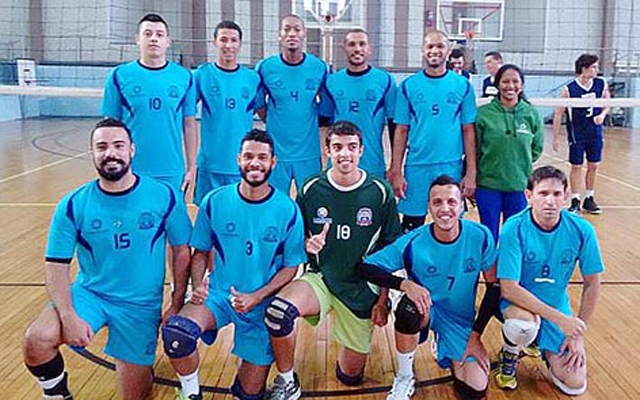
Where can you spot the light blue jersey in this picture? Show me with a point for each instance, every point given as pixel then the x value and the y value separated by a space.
pixel 153 104
pixel 543 261
pixel 252 240
pixel 120 239
pixel 449 271
pixel 435 108
pixel 228 100
pixel 291 97
pixel 367 99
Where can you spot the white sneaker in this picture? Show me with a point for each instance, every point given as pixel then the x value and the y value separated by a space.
pixel 402 389
pixel 434 346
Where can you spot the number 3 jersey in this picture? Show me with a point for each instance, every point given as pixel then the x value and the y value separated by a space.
pixel 153 104
pixel 120 238
pixel 362 219
pixel 252 240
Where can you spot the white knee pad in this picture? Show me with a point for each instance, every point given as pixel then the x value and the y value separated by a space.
pixel 566 389
pixel 520 332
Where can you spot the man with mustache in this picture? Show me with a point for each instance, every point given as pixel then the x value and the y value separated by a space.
pixel 118 224
pixel 257 235
pixel 365 96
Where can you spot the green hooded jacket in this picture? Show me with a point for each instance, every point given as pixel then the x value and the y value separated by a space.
pixel 509 141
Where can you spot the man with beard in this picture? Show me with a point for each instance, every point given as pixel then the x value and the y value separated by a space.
pixel 120 280
pixel 365 96
pixel 258 237
pixel 292 82
pixel 443 261
pixel 347 214
pixel 435 113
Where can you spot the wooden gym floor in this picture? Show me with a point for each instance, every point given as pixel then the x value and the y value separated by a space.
pixel 41 160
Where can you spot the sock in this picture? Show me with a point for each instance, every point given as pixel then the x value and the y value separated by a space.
pixel 510 348
pixel 50 373
pixel 589 193
pixel 51 383
pixel 190 383
pixel 575 196
pixel 287 376
pixel 405 363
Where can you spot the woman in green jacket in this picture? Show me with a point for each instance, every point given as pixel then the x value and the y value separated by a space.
pixel 510 136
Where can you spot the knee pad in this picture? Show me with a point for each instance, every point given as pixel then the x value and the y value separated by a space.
pixel 237 391
pixel 520 333
pixel 280 317
pixel 410 223
pixel 349 380
pixel 466 392
pixel 180 336
pixel 424 335
pixel 408 319
pixel 569 391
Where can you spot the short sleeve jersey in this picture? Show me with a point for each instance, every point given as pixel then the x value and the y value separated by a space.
pixel 291 95
pixel 543 261
pixel 449 271
pixel 366 99
pixel 153 104
pixel 120 239
pixel 252 240
pixel 580 125
pixel 362 218
pixel 228 101
pixel 435 108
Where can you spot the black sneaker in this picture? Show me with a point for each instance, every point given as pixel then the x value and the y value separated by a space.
pixel 59 391
pixel 575 206
pixel 591 206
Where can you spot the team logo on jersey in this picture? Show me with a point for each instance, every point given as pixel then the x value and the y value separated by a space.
pixel 244 93
pixel 322 216
pixel 568 257
pixel 270 234
pixel 277 83
pixel 364 217
pixel 96 224
pixel 452 98
pixel 339 94
pixel 173 92
pixel 310 84
pixel 470 266
pixel 146 221
pixel 137 89
pixel 420 98
pixel 117 223
pixel 530 256
pixel 371 95
pixel 523 128
pixel 215 90
pixel 230 229
pixel 432 270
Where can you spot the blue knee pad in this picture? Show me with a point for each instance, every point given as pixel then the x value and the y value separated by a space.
pixel 280 317
pixel 237 391
pixel 180 336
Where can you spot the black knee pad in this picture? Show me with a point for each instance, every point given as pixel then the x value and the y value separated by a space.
pixel 349 380
pixel 237 391
pixel 466 392
pixel 280 317
pixel 410 223
pixel 408 319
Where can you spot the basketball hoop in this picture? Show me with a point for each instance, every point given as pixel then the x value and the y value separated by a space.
pixel 469 35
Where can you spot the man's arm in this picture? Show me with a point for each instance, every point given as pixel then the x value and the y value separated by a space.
pixel 590 295
pixel 244 302
pixel 469 180
pixel 557 119
pixel 191 150
pixel 399 148
pixel 599 119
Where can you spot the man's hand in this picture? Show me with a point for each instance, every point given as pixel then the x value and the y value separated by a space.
pixel 469 187
pixel 76 331
pixel 599 119
pixel 573 353
pixel 419 295
pixel 315 243
pixel 380 314
pixel 200 291
pixel 572 326
pixel 243 302
pixel 187 181
pixel 556 143
pixel 398 183
pixel 476 349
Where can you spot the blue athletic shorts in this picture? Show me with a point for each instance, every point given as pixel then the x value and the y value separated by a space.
pixel 592 149
pixel 285 171
pixel 251 339
pixel 419 178
pixel 452 336
pixel 133 330
pixel 207 181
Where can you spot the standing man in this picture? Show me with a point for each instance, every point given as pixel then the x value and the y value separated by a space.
pixel 347 214
pixel 228 94
pixel 121 259
pixel 292 81
pixel 257 234
pixel 456 62
pixel 538 251
pixel 365 96
pixel 435 113
pixel 492 62
pixel 584 130
pixel 443 261
pixel 156 99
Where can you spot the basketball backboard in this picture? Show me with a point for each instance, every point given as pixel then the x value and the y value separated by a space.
pixel 485 18
pixel 336 13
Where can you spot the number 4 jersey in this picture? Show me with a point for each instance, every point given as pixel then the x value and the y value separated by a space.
pixel 362 219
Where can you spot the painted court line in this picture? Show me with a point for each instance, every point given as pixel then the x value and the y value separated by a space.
pixel 45 205
pixel 40 168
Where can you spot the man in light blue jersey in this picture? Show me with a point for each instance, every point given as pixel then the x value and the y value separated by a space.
pixel 156 99
pixel 121 269
pixel 257 234
pixel 443 261
pixel 292 82
pixel 365 96
pixel 435 113
pixel 227 92
pixel 539 248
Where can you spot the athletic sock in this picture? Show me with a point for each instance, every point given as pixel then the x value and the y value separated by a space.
pixel 287 376
pixel 189 383
pixel 405 363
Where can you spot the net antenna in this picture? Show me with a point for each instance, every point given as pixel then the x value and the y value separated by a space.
pixel 327 13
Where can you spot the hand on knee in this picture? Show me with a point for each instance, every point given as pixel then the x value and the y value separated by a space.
pixel 408 319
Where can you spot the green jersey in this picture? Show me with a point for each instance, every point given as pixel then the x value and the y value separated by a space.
pixel 363 218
